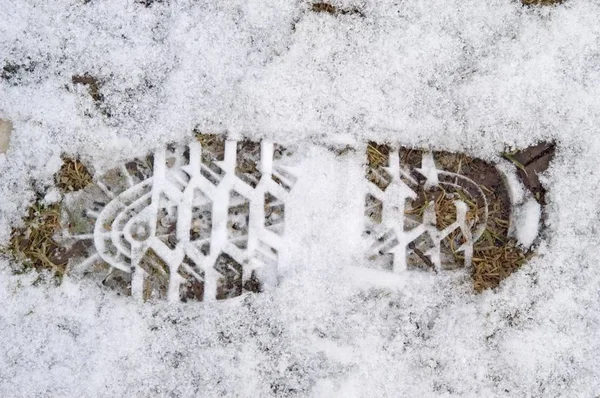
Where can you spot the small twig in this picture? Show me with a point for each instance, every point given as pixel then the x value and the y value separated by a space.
pixel 422 256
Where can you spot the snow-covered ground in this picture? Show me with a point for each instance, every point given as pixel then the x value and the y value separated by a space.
pixel 461 75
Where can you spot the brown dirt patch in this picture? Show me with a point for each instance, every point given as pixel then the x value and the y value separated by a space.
pixel 530 163
pixel 92 83
pixel 94 86
pixel 541 2
pixel 327 8
pixel 73 175
pixel 34 246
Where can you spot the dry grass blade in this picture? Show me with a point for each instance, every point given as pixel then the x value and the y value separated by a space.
pixel 212 143
pixel 34 245
pixel 73 176
pixel 377 155
pixel 509 157
pixel 493 264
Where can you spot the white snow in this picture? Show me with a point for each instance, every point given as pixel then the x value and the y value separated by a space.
pixel 460 75
pixel 526 212
pixel 53 196
pixel 516 190
pixel 527 222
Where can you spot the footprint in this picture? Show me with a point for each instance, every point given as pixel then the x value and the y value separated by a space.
pixel 197 222
pixel 436 211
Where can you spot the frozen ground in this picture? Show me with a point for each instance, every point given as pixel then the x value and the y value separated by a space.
pixel 468 75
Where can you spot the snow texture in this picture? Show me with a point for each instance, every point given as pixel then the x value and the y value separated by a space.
pixel 516 190
pixel 460 75
pixel 528 222
pixel 526 212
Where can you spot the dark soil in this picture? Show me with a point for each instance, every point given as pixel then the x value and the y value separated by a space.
pixel 327 8
pixel 534 160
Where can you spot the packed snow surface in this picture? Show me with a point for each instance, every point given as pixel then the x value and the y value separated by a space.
pixel 460 75
pixel 528 222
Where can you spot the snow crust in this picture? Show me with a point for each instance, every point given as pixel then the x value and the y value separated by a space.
pixel 467 75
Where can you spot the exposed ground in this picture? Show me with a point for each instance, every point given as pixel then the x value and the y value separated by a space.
pixel 35 244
